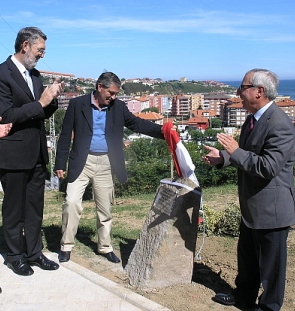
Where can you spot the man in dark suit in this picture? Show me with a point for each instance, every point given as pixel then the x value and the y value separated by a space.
pixel 97 122
pixel 4 130
pixel 23 155
pixel 265 159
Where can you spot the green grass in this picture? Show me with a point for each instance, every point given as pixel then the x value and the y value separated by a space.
pixel 128 217
pixel 129 214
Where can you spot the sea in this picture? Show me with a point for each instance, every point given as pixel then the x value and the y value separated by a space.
pixel 286 87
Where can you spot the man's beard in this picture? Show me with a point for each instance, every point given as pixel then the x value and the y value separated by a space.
pixel 29 62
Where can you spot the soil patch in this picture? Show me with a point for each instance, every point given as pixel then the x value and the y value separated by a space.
pixel 214 272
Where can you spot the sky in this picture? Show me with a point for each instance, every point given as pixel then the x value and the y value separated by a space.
pixel 167 39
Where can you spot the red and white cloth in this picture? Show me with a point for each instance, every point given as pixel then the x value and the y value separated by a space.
pixel 182 160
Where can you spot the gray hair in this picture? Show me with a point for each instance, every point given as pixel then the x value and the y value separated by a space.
pixel 267 79
pixel 108 78
pixel 30 34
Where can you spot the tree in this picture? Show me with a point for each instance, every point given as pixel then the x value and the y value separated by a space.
pixel 151 109
pixel 196 134
pixel 148 161
pixel 58 119
pixel 215 123
pixel 209 132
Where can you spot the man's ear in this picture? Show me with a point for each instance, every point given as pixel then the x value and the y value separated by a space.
pixel 260 91
pixel 99 87
pixel 25 47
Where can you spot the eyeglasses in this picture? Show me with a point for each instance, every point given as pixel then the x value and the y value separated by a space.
pixel 40 50
pixel 244 87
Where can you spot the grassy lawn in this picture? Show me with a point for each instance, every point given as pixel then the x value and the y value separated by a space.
pixel 128 217
pixel 129 214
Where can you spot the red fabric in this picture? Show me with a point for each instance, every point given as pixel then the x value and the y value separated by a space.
pixel 172 138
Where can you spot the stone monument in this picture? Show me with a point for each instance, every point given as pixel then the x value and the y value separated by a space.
pixel 164 253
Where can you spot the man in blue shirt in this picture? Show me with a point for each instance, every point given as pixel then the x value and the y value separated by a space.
pixel 97 121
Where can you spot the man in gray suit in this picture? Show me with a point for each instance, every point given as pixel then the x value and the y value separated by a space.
pixel 264 157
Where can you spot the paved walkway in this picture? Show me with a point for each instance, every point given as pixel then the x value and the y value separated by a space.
pixel 70 288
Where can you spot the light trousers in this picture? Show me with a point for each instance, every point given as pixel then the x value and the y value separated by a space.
pixel 98 170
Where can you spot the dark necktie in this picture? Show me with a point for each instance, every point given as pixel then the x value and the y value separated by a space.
pixel 251 124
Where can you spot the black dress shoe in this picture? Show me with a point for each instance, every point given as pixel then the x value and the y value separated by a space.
pixel 225 299
pixel 64 256
pixel 20 267
pixel 44 263
pixel 230 300
pixel 111 257
pixel 0 290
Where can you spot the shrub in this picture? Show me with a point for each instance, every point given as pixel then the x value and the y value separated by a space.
pixel 229 223
pixel 225 222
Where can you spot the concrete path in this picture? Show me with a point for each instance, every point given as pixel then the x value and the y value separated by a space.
pixel 70 288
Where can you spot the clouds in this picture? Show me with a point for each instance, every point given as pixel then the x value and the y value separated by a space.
pixel 204 39
pixel 238 25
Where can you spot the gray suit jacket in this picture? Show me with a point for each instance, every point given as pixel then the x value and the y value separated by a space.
pixel 78 119
pixel 265 162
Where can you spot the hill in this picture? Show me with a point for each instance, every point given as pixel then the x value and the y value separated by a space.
pixel 174 88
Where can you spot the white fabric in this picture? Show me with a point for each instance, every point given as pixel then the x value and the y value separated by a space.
pixel 185 162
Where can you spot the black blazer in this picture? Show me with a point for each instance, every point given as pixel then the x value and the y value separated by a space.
pixel 21 148
pixel 265 162
pixel 78 119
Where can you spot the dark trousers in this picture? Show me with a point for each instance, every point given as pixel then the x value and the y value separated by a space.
pixel 22 211
pixel 262 259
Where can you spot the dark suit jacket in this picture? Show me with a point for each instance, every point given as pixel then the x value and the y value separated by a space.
pixel 78 119
pixel 265 171
pixel 21 148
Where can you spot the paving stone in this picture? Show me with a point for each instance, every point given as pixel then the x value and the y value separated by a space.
pixel 69 288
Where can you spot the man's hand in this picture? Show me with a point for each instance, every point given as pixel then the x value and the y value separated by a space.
pixel 4 128
pixel 213 157
pixel 51 92
pixel 60 173
pixel 228 143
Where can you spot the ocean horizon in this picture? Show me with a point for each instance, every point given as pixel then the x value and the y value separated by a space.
pixel 286 87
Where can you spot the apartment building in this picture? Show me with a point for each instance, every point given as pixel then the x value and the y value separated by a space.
pixel 136 105
pixel 214 102
pixel 233 113
pixel 64 98
pixel 288 106
pixel 160 101
pixel 196 101
pixel 51 74
pixel 180 106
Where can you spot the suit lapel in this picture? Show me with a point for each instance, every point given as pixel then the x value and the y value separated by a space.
pixel 110 116
pixel 87 111
pixel 244 132
pixel 109 119
pixel 35 80
pixel 17 76
pixel 245 139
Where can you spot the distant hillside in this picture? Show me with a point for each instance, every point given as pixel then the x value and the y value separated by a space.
pixel 173 88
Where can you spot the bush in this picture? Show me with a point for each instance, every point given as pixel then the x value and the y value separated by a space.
pixel 229 223
pixel 225 222
pixel 210 220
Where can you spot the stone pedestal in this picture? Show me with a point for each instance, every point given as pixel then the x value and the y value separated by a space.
pixel 164 253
